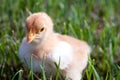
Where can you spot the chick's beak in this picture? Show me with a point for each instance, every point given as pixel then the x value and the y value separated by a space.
pixel 30 37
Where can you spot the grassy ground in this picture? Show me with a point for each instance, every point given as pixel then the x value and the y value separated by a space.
pixel 95 21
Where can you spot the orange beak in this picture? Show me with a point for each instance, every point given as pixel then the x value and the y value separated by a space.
pixel 30 37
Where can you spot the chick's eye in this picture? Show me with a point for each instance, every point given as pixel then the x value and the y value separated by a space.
pixel 41 29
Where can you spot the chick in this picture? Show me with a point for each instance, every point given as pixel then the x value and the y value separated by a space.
pixel 42 42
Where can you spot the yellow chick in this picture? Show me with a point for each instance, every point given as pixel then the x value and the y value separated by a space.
pixel 42 42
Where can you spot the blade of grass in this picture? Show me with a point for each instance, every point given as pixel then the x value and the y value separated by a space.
pixel 73 31
pixel 58 70
pixel 18 73
pixel 43 70
pixel 30 76
pixel 95 72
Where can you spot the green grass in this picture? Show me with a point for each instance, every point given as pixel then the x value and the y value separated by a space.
pixel 95 21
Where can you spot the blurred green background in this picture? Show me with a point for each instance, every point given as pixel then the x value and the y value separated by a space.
pixel 95 21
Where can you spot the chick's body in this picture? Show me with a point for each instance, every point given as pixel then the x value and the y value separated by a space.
pixel 53 47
